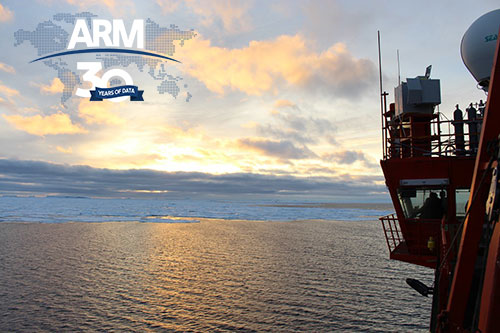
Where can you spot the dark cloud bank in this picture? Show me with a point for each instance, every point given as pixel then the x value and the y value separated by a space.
pixel 19 177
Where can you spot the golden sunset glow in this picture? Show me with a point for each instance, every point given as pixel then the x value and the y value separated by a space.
pixel 58 123
pixel 262 65
pixel 275 90
pixel 248 165
pixel 55 87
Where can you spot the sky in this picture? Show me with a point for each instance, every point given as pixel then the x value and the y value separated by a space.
pixel 276 99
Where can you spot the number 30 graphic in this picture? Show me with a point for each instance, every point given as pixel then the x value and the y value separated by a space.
pixel 102 82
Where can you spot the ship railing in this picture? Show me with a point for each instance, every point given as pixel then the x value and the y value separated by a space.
pixel 417 244
pixel 443 139
pixel 392 231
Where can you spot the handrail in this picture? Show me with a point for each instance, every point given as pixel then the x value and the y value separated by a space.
pixel 398 137
pixel 392 231
pixel 416 237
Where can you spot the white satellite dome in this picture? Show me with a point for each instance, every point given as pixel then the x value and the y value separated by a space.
pixel 478 46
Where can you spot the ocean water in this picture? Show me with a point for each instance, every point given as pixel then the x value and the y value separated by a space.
pixel 200 265
pixel 61 209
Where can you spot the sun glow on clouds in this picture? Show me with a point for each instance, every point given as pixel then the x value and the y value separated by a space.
pixel 278 88
pixel 99 113
pixel 7 68
pixel 265 66
pixel 133 152
pixel 7 91
pixel 55 87
pixel 291 140
pixel 63 150
pixel 58 123
pixel 278 132
pixel 171 148
pixel 5 14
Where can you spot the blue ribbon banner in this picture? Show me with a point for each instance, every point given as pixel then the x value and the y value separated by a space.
pixel 102 93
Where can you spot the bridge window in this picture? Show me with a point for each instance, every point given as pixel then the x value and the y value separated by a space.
pixel 462 199
pixel 424 203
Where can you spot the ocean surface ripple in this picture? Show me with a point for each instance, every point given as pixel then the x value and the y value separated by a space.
pixel 214 275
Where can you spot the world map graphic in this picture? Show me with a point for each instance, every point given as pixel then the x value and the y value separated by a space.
pixel 50 37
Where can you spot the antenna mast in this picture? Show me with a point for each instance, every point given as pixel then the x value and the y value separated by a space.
pixel 382 96
pixel 399 71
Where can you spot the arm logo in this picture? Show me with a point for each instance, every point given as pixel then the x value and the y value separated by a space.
pixel 145 44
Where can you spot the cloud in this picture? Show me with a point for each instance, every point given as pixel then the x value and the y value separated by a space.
pixel 283 103
pixel 9 92
pixel 98 113
pixel 8 104
pixel 231 14
pixel 55 87
pixel 63 150
pixel 281 149
pixel 5 14
pixel 335 20
pixel 294 134
pixel 58 123
pixel 287 61
pixel 118 7
pixel 349 157
pixel 34 177
pixel 168 6
pixel 293 123
pixel 7 68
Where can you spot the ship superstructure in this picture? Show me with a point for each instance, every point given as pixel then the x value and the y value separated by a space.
pixel 442 178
